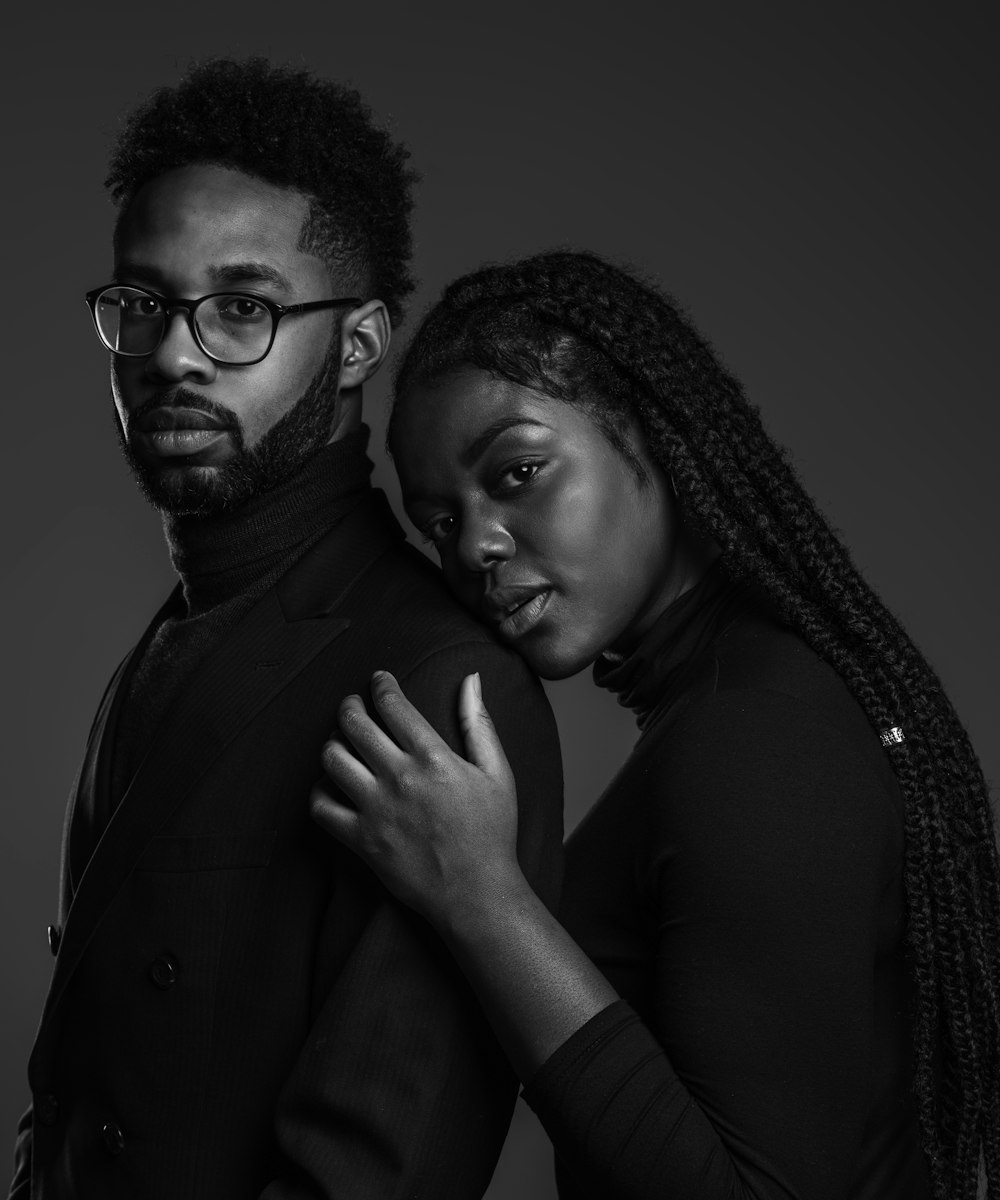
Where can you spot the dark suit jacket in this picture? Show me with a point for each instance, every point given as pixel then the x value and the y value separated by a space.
pixel 238 1007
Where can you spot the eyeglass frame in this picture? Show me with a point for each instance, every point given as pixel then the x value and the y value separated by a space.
pixel 171 304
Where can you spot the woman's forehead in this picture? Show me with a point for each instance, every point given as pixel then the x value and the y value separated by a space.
pixel 465 399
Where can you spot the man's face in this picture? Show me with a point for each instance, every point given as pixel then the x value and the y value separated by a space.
pixel 200 436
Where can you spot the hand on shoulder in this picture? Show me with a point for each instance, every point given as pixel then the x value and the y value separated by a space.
pixel 438 829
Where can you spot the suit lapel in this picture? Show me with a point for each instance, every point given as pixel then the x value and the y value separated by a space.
pixel 93 787
pixel 74 848
pixel 273 643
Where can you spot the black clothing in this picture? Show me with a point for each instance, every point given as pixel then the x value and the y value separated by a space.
pixel 224 563
pixel 218 558
pixel 740 884
pixel 239 1009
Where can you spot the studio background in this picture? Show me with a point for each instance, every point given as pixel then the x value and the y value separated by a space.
pixel 816 183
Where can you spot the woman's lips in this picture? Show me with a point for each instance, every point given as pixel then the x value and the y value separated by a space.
pixel 524 618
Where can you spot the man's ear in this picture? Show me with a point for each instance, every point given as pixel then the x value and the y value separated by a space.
pixel 365 334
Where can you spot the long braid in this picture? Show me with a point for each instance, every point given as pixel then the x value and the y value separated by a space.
pixel 580 329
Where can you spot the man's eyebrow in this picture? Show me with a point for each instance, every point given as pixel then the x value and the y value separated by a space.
pixel 137 272
pixel 480 444
pixel 248 272
pixel 223 276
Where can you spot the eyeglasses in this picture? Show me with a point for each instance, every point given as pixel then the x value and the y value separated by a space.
pixel 231 328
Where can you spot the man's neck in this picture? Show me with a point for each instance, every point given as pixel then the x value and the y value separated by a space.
pixel 221 556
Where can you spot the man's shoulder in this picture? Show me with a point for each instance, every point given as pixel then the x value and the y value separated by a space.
pixel 393 596
pixel 405 593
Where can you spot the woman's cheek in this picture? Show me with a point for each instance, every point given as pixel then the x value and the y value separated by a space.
pixel 568 523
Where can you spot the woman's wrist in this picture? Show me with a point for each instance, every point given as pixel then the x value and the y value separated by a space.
pixel 535 984
pixel 485 904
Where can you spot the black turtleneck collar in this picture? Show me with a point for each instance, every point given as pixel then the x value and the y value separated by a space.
pixel 650 677
pixel 221 557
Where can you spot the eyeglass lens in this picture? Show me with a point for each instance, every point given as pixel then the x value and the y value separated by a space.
pixel 232 328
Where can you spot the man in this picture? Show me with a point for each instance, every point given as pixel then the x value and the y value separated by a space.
pixel 238 1008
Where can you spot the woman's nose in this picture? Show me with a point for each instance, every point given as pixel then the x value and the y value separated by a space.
pixel 484 542
pixel 179 356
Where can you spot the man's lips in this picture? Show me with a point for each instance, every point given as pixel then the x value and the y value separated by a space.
pixel 172 432
pixel 170 417
pixel 515 610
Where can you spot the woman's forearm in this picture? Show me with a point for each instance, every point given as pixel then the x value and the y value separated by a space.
pixel 534 982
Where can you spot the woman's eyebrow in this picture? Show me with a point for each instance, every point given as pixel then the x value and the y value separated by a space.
pixel 481 443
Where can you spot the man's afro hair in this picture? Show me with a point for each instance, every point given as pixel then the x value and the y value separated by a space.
pixel 295 131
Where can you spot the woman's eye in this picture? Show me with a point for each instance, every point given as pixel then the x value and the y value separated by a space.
pixel 438 530
pixel 518 474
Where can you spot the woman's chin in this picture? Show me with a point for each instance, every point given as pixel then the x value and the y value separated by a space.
pixel 555 662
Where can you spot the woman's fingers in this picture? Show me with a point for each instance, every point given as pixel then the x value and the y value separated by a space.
pixel 372 744
pixel 335 817
pixel 347 771
pixel 482 745
pixel 428 821
pixel 414 734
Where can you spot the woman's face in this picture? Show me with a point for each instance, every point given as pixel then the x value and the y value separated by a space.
pixel 543 529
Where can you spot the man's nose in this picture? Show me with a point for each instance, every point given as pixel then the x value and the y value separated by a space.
pixel 179 356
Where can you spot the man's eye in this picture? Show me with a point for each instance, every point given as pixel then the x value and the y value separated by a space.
pixel 242 308
pixel 439 529
pixel 143 306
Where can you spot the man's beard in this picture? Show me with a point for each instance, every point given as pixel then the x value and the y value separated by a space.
pixel 281 452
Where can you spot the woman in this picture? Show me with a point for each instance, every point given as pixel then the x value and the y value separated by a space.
pixel 791 889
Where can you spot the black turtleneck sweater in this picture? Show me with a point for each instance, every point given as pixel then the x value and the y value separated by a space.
pixel 739 883
pixel 225 564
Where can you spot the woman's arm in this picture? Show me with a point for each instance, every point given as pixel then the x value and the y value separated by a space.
pixel 760 863
pixel 441 833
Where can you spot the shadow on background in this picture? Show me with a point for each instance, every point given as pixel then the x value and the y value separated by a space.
pixel 817 189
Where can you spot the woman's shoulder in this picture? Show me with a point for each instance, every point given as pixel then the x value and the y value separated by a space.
pixel 761 679
pixel 765 733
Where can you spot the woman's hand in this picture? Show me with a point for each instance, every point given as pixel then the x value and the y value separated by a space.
pixel 439 830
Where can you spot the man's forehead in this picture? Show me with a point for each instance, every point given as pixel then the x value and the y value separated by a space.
pixel 235 227
pixel 204 196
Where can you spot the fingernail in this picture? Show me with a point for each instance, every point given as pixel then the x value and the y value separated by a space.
pixel 477 684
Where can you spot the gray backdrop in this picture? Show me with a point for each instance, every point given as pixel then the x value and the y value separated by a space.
pixel 817 187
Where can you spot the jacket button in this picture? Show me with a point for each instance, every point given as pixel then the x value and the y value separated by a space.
pixel 114 1139
pixel 163 971
pixel 55 937
pixel 47 1109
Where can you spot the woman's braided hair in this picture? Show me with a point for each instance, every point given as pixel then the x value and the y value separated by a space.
pixel 574 327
